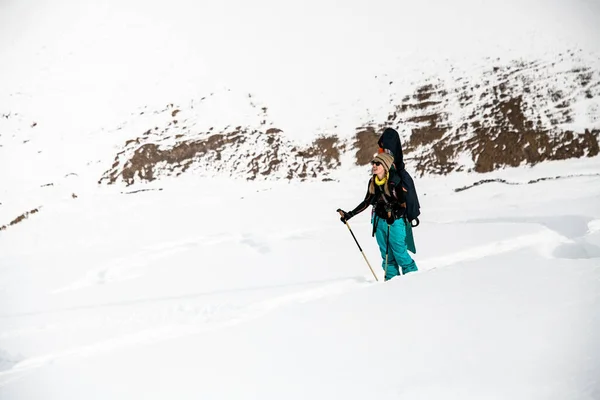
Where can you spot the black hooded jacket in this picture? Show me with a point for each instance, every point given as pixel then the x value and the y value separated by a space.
pixel 391 141
pixel 395 202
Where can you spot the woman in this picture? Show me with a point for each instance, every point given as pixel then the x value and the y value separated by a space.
pixel 386 196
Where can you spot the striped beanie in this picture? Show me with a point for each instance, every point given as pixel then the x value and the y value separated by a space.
pixel 385 159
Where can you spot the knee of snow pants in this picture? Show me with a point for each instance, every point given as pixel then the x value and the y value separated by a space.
pixel 397 251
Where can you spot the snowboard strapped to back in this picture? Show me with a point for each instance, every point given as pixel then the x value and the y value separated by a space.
pixel 390 143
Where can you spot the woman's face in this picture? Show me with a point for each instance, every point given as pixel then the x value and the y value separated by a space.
pixel 377 168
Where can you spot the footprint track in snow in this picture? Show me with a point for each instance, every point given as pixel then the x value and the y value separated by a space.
pixel 133 266
pixel 541 238
pixel 196 321
pixel 562 237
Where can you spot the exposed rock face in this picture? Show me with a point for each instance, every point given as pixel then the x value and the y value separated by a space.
pixel 514 114
pixel 505 116
pixel 245 152
pixel 19 219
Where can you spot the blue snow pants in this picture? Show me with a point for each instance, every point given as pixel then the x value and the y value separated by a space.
pixel 397 252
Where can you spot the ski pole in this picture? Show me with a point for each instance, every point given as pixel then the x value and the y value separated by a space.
pixel 361 250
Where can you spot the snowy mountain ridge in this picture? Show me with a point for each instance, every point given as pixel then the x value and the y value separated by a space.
pixel 508 114
pixel 456 117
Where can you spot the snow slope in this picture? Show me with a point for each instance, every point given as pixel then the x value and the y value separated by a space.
pixel 256 290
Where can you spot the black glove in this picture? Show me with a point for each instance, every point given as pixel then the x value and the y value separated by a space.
pixel 345 216
pixel 390 214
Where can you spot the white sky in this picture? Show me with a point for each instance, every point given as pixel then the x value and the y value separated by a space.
pixel 98 59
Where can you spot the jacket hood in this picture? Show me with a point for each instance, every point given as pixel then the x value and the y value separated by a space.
pixel 390 140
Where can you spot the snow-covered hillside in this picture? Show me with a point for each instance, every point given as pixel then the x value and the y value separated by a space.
pixel 134 91
pixel 494 115
pixel 256 290
pixel 522 112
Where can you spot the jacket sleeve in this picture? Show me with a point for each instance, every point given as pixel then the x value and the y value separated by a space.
pixel 364 204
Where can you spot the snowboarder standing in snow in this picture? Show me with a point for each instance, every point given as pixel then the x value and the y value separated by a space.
pixel 387 197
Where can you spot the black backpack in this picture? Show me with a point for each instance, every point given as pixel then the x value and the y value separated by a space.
pixel 390 141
